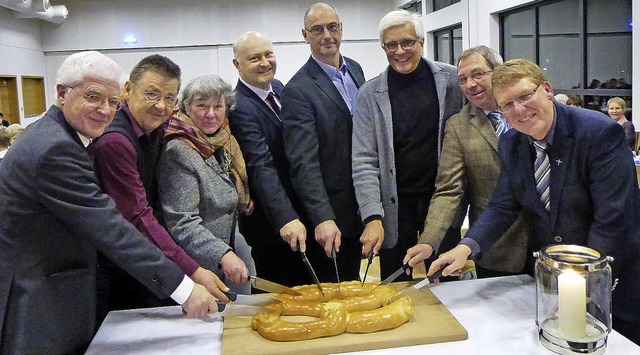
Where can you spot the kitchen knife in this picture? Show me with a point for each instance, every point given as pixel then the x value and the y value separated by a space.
pixel 335 262
pixel 231 309
pixel 415 288
pixel 269 286
pixel 395 275
pixel 366 271
pixel 249 300
pixel 306 263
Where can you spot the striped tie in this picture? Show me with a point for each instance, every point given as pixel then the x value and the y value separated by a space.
pixel 542 174
pixel 499 122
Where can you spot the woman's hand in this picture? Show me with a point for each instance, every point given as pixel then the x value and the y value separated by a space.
pixel 234 268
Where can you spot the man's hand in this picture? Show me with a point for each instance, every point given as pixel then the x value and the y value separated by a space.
pixel 417 253
pixel 234 268
pixel 212 283
pixel 328 235
pixel 454 260
pixel 199 303
pixel 294 233
pixel 248 210
pixel 372 237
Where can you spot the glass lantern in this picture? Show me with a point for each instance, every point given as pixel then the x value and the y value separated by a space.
pixel 573 299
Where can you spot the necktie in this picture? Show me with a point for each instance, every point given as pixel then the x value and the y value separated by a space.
pixel 500 125
pixel 271 99
pixel 542 172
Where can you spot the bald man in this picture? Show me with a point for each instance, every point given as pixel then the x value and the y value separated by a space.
pixel 275 229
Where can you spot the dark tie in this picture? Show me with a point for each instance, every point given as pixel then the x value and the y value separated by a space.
pixel 542 172
pixel 499 123
pixel 271 99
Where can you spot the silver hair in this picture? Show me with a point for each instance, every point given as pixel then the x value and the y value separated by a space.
pixel 81 65
pixel 205 87
pixel 490 55
pixel 398 18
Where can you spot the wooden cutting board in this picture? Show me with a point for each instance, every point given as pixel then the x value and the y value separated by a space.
pixel 431 323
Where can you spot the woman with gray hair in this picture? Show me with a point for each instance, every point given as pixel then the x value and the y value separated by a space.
pixel 202 182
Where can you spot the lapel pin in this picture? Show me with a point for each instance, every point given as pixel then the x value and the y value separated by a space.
pixel 558 162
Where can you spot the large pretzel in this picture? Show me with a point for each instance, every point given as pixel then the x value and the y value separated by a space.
pixel 348 306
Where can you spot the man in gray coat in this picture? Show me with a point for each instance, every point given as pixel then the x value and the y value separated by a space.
pixel 398 125
pixel 55 218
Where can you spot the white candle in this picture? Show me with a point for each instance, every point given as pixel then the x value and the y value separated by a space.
pixel 572 304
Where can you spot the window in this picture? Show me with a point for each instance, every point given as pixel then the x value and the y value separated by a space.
pixel 584 46
pixel 413 6
pixel 441 4
pixel 448 44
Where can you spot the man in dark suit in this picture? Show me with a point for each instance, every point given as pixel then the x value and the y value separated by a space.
pixel 591 198
pixel 274 229
pixel 55 218
pixel 316 119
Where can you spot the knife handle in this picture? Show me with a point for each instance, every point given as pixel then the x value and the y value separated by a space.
pixel 221 306
pixel 436 275
pixel 406 267
pixel 232 296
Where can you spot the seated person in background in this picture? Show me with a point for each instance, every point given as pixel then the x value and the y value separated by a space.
pixel 561 98
pixel 125 160
pixel 200 175
pixel 586 191
pixel 55 218
pixel 5 123
pixel 574 100
pixel 5 140
pixel 617 106
pixel 14 131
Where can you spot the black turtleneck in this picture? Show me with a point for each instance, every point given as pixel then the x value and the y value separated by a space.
pixel 415 116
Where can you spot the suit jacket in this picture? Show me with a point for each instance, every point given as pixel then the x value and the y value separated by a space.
pixel 373 155
pixel 54 217
pixel 595 200
pixel 467 175
pixel 259 133
pixel 317 128
pixel 198 203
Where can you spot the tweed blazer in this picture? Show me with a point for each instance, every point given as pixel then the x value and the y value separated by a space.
pixel 373 159
pixel 54 219
pixel 198 203
pixel 467 175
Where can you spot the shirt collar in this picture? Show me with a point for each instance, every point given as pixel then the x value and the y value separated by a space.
pixel 84 139
pixel 329 69
pixel 260 92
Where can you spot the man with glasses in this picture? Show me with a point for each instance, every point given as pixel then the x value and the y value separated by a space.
pixel 316 120
pixel 125 160
pixel 398 126
pixel 55 217
pixel 469 168
pixel 570 171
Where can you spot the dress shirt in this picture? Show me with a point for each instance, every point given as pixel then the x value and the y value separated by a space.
pixel 262 94
pixel 342 80
pixel 115 159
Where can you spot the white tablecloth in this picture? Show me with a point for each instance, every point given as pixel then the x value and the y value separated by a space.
pixel 498 313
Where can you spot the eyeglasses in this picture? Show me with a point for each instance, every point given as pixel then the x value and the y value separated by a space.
pixel 96 98
pixel 317 30
pixel 522 100
pixel 474 76
pixel 156 97
pixel 406 45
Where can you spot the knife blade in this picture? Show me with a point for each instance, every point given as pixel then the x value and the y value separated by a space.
pixel 395 275
pixel 249 300
pixel 307 264
pixel 366 271
pixel 335 262
pixel 231 309
pixel 269 286
pixel 415 288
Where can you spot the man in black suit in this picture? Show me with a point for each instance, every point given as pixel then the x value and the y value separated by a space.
pixel 274 229
pixel 316 118
pixel 55 218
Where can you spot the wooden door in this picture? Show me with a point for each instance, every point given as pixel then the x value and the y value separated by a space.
pixel 9 99
pixel 33 95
